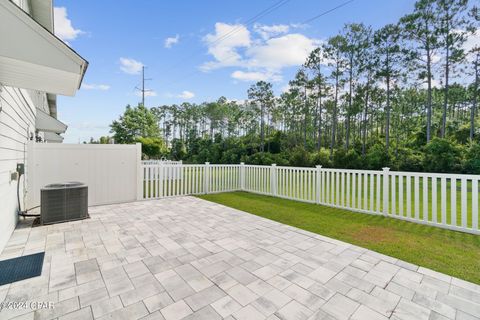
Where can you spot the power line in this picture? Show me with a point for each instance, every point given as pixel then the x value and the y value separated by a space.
pixel 304 22
pixel 251 20
pixel 327 12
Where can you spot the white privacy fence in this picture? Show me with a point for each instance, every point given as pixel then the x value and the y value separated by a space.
pixel 443 200
pixel 111 171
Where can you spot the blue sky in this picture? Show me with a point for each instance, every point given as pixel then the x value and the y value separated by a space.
pixel 193 65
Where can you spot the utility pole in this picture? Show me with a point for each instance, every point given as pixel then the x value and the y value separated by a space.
pixel 143 90
pixel 143 86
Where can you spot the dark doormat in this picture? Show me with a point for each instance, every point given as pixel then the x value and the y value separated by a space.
pixel 21 268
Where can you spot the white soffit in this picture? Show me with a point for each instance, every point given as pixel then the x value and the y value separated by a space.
pixel 52 137
pixel 46 123
pixel 31 57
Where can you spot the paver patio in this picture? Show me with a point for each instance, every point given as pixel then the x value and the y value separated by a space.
pixel 186 258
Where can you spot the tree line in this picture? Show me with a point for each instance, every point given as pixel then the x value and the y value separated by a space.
pixel 403 96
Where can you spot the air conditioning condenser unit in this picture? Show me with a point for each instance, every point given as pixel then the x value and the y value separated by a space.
pixel 61 202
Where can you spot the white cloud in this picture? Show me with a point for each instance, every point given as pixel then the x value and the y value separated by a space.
pixel 281 52
pixel 170 41
pixel 262 57
pixel 254 76
pixel 149 93
pixel 63 25
pixel 186 95
pixel 92 86
pixel 223 45
pixel 130 66
pixel 267 32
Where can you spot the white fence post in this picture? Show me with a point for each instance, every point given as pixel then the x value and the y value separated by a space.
pixel 318 183
pixel 206 177
pixel 140 185
pixel 242 175
pixel 161 170
pixel 386 173
pixel 273 179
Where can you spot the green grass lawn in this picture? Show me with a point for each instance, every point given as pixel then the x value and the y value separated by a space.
pixel 450 252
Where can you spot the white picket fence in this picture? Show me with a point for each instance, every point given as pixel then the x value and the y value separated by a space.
pixel 444 200
pixel 159 162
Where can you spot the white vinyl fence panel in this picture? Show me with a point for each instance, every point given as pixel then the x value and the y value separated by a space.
pixel 110 171
pixel 168 180
pixel 443 200
pixel 171 174
pixel 161 162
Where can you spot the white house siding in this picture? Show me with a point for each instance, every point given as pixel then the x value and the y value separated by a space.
pixel 17 126
pixel 18 110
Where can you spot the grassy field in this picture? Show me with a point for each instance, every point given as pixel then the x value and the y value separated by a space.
pixel 450 252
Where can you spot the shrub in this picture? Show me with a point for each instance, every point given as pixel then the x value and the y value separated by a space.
pixel 376 157
pixel 152 148
pixel 266 159
pixel 232 155
pixel 472 158
pixel 322 157
pixel 409 160
pixel 280 159
pixel 300 158
pixel 203 156
pixel 347 159
pixel 442 155
pixel 259 158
